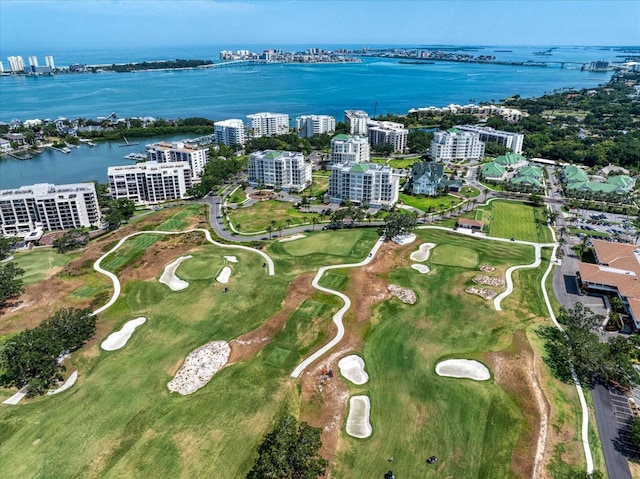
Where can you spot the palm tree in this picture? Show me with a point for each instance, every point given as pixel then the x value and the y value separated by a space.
pixel 314 222
pixel 288 222
pixel 280 230
pixel 561 242
pixel 269 230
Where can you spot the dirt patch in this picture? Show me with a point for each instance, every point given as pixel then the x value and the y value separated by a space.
pixel 516 369
pixel 326 399
pixel 248 345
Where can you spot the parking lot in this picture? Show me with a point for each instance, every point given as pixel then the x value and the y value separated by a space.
pixel 605 225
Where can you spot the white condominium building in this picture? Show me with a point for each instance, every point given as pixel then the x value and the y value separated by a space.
pixel 285 170
pixel 164 152
pixel 309 125
pixel 229 132
pixel 347 148
pixel 454 144
pixel 16 64
pixel 150 182
pixel 364 183
pixel 513 141
pixel 48 207
pixel 356 120
pixel 387 132
pixel 48 60
pixel 268 124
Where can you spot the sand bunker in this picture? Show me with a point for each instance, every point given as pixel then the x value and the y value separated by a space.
pixel 482 292
pixel 199 367
pixel 463 368
pixel 118 339
pixel 403 294
pixel 423 268
pixel 423 252
pixel 291 238
pixel 231 259
pixel 224 275
pixel 71 380
pixel 358 424
pixel 404 239
pixel 169 275
pixel 352 368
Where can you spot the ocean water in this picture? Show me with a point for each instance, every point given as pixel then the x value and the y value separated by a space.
pixel 380 85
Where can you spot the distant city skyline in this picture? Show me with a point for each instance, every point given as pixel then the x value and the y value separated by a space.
pixel 47 24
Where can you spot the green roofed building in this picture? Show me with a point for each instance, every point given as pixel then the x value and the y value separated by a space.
pixel 530 171
pixel 349 148
pixel 492 171
pixel 511 160
pixel 622 181
pixel 285 170
pixel 363 183
pixel 573 174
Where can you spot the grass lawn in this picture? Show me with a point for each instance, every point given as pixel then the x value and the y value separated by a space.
pixel 328 242
pixel 510 219
pixel 258 217
pixel 598 234
pixel 238 196
pixel 425 202
pixel 318 187
pixel 42 263
pixel 469 192
pixel 450 255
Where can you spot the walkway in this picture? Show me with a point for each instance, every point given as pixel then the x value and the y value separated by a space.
pixel 337 318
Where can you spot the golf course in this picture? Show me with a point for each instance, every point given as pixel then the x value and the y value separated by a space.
pixel 119 420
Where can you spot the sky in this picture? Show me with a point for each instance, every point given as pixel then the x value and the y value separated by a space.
pixel 126 24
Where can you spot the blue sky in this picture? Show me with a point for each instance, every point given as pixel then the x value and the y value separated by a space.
pixel 120 24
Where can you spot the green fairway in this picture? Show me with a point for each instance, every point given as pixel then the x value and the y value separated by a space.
pixel 450 255
pixel 511 219
pixel 472 427
pixel 258 217
pixel 41 263
pixel 200 267
pixel 329 242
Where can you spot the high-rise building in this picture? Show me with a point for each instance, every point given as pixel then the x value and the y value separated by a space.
pixel 1 67
pixel 16 64
pixel 364 184
pixel 33 61
pixel 388 132
pixel 513 141
pixel 309 125
pixel 150 182
pixel 348 148
pixel 48 207
pixel 48 60
pixel 356 120
pixel 164 152
pixel 268 124
pixel 285 170
pixel 230 132
pixel 454 144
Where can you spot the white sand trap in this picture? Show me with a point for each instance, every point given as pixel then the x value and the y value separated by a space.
pixel 404 239
pixel 291 238
pixel 118 339
pixel 358 424
pixel 352 368
pixel 423 252
pixel 463 368
pixel 231 259
pixel 16 398
pixel 169 275
pixel 199 367
pixel 71 380
pixel 422 268
pixel 224 275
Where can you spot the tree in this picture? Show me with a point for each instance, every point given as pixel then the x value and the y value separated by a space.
pixel 635 431
pixel 535 199
pixel 5 246
pixel 70 240
pixel 397 224
pixel 31 357
pixel 11 285
pixel 289 451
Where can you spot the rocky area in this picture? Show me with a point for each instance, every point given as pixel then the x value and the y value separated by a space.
pixel 482 292
pixel 485 268
pixel 489 280
pixel 403 294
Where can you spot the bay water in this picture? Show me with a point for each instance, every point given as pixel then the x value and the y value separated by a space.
pixel 376 85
